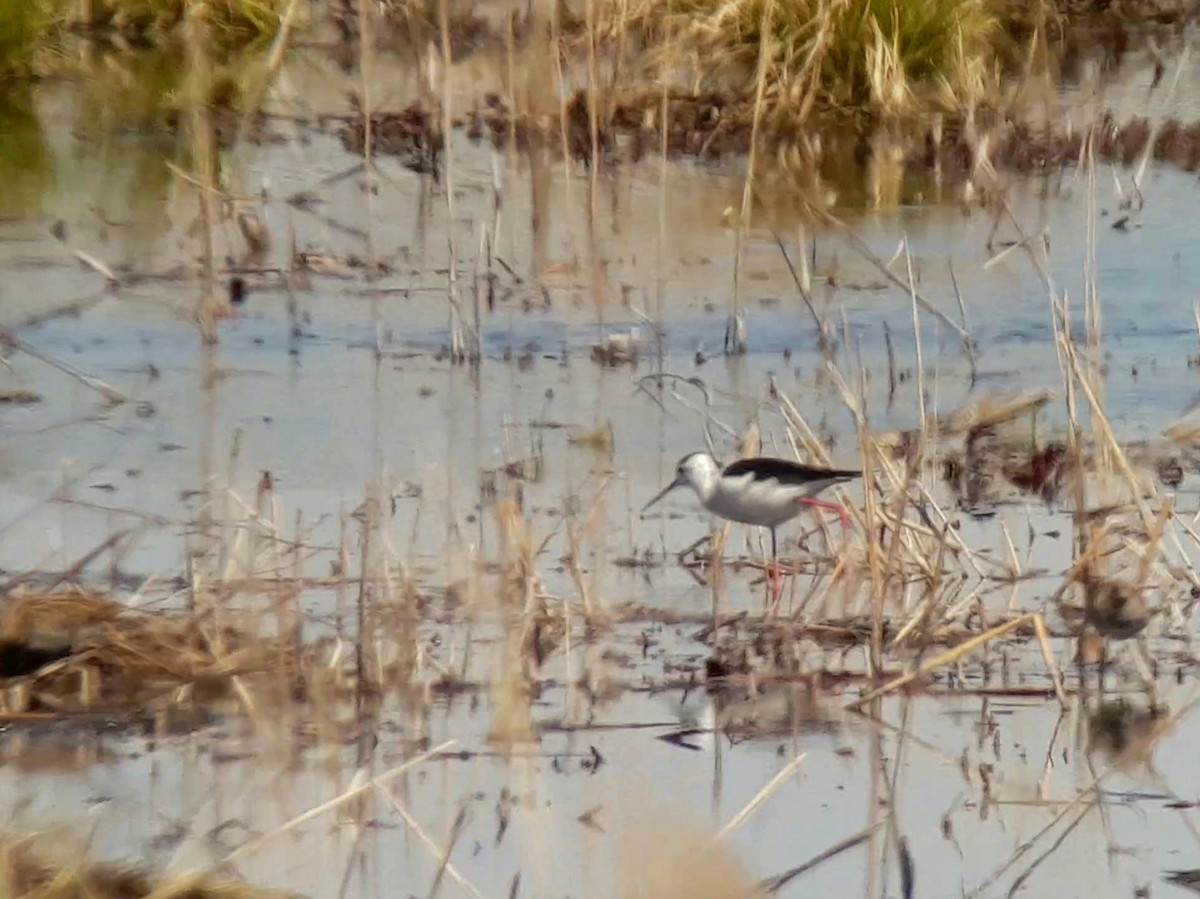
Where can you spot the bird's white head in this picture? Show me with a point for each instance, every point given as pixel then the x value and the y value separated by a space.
pixel 699 471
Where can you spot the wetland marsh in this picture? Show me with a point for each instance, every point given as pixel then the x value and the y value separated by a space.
pixel 342 590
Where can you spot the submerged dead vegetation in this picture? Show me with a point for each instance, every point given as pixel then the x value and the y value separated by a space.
pixel 75 650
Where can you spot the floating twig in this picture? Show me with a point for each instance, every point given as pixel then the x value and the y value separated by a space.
pixel 110 393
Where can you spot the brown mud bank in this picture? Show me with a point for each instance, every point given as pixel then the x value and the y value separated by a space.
pixel 715 127
pixel 1021 147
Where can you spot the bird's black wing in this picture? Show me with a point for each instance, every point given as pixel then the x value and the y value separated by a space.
pixel 786 472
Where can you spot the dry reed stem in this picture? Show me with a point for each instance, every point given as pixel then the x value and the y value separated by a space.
pixel 1089 792
pixel 1019 881
pixel 734 339
pixel 512 722
pixel 354 792
pixel 197 45
pixel 1168 103
pixel 902 500
pixel 1043 636
pixel 946 533
pixel 796 422
pixel 110 393
pixel 760 797
pixel 916 323
pixel 76 568
pixel 749 445
pixel 458 351
pixel 556 41
pixel 1154 538
pixel 97 266
pixel 992 409
pixel 865 251
pixel 875 562
pixel 1188 573
pixel 452 839
pixel 775 884
pixel 1074 375
pixel 1106 431
pixel 813 446
pixel 427 841
pixel 664 77
pixel 594 609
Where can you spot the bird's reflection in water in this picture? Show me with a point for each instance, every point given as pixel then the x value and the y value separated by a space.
pixel 1126 732
pixel 1114 612
pixel 740 712
pixel 776 710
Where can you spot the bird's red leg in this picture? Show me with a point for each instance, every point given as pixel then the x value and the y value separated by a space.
pixel 776 579
pixel 832 507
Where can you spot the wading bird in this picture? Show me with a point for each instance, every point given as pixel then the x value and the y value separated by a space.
pixel 760 491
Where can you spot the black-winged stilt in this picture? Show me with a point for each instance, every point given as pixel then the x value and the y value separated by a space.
pixel 759 491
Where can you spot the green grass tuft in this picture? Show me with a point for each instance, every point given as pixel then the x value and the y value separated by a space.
pixel 26 160
pixel 25 26
pixel 31 30
pixel 234 21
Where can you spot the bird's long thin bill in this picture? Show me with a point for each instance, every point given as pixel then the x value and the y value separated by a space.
pixel 671 486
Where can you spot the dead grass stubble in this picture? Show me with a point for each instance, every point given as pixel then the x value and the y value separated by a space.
pixel 31 869
pixel 116 657
pixel 878 57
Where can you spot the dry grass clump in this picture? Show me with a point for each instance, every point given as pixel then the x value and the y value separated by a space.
pixel 63 611
pixel 29 869
pixel 74 650
pixel 881 57
pixel 31 30
pixel 232 21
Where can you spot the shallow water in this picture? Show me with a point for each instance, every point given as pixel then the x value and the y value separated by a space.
pixel 315 409
pixel 166 803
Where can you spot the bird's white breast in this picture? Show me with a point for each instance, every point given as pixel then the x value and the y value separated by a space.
pixel 765 503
